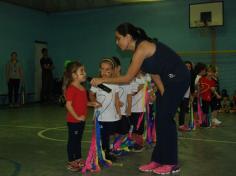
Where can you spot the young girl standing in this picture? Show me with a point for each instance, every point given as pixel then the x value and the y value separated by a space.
pixel 110 109
pixel 207 89
pixel 199 71
pixel 76 105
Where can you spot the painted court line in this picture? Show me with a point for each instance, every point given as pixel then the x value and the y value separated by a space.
pixel 208 140
pixel 17 166
pixel 32 127
pixel 19 126
pixel 40 134
pixel 45 129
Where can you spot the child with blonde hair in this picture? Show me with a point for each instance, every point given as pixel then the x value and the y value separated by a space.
pixel 109 112
pixel 207 88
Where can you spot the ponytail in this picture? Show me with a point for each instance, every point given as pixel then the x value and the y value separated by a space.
pixel 136 32
pixel 142 34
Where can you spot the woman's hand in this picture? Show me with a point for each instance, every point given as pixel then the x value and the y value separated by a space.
pixel 159 83
pixel 96 81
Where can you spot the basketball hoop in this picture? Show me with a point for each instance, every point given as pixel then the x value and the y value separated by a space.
pixel 198 23
pixel 203 27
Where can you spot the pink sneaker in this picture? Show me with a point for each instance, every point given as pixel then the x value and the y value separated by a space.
pixel 166 169
pixel 149 167
pixel 73 166
pixel 183 128
pixel 80 162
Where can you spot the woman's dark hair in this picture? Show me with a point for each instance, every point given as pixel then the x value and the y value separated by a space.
pixel 136 32
pixel 71 68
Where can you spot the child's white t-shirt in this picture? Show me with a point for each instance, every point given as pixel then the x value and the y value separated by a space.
pixel 197 79
pixel 107 111
pixel 147 77
pixel 124 90
pixel 138 100
pixel 196 82
pixel 187 93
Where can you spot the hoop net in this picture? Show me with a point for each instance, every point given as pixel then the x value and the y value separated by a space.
pixel 203 27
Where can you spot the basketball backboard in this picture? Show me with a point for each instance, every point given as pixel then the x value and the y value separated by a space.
pixel 206 14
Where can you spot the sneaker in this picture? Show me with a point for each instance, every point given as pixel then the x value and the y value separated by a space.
pixel 149 167
pixel 166 169
pixel 218 121
pixel 72 166
pixel 215 121
pixel 80 162
pixel 183 128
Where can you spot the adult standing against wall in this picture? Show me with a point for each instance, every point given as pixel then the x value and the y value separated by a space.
pixel 47 76
pixel 172 79
pixel 14 75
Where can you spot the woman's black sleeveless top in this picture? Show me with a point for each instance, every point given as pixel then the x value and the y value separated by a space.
pixel 166 63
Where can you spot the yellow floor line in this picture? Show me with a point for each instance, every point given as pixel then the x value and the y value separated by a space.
pixel 208 140
pixel 45 129
pixel 41 135
pixel 19 126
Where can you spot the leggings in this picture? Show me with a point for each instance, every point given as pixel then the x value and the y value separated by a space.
pixel 107 129
pixel 75 133
pixel 165 151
